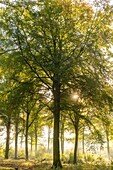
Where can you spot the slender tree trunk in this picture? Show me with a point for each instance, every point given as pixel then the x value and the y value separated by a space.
pixel 26 137
pixel 56 147
pixel 36 139
pixel 8 125
pixel 49 132
pixel 21 141
pixel 22 132
pixel 76 139
pixel 107 137
pixel 62 139
pixel 31 143
pixel 83 142
pixel 16 139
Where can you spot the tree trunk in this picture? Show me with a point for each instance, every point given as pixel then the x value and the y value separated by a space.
pixel 76 139
pixel 62 139
pixel 8 125
pixel 107 137
pixel 56 147
pixel 83 151
pixel 16 139
pixel 26 137
pixel 35 139
pixel 31 143
pixel 22 132
pixel 49 131
pixel 21 140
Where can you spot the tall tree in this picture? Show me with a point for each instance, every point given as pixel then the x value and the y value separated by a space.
pixel 60 42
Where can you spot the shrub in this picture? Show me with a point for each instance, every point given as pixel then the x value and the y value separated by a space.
pixel 89 158
pixel 1 151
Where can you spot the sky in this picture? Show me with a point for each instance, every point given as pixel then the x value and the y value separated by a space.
pixel 89 1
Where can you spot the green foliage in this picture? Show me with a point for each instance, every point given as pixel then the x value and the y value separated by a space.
pixel 89 157
pixel 40 153
pixel 11 153
pixel 1 152
pixel 70 159
pixel 21 154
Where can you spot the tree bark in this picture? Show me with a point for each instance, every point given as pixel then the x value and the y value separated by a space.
pixel 35 139
pixel 49 131
pixel 21 140
pixel 56 148
pixel 107 137
pixel 83 150
pixel 62 139
pixel 76 139
pixel 26 137
pixel 16 139
pixel 8 126
pixel 31 143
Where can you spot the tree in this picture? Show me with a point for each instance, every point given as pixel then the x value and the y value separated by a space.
pixel 60 42
pixel 17 120
pixel 6 115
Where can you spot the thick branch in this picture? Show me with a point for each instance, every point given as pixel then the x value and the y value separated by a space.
pixel 10 50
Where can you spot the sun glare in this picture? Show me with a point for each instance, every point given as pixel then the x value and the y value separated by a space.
pixel 75 96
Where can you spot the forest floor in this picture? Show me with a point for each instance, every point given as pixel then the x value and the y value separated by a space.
pixel 12 164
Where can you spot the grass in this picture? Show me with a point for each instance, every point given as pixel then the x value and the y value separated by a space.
pixel 10 164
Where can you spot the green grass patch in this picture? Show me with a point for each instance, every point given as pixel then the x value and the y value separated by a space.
pixel 10 164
